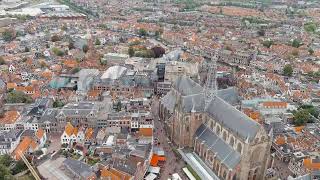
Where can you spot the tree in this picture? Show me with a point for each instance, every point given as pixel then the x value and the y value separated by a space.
pixel 261 32
pixel 296 43
pixel 57 104
pixel 8 35
pixel 5 172
pixel 158 51
pixel 18 97
pixel 311 109
pixel 64 28
pixel 55 38
pixel 301 117
pixel 287 70
pixel 71 45
pixel 6 160
pixel 19 167
pixel 131 51
pixel 26 49
pixel 142 32
pixel 267 43
pixel 97 43
pixel 311 51
pixel 310 27
pixel 57 51
pixel 157 33
pixel 85 48
pixel 2 61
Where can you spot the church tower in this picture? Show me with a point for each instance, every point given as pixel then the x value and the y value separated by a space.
pixel 211 87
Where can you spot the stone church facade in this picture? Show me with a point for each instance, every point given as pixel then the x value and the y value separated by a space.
pixel 230 143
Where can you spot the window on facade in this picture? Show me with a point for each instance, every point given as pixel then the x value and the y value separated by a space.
pixel 224 136
pixel 218 130
pixel 239 148
pixel 231 142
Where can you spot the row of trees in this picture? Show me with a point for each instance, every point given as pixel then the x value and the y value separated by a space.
pixel 154 52
pixel 14 96
pixel 305 114
pixel 8 167
pixel 8 35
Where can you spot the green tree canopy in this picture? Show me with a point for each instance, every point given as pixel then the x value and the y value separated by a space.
pixel 6 160
pixel 57 104
pixel 85 48
pixel 8 35
pixel 5 172
pixel 18 97
pixel 296 43
pixel 131 51
pixel 261 32
pixel 301 117
pixel 57 51
pixel 97 42
pixel 71 44
pixel 267 43
pixel 142 32
pixel 55 38
pixel 311 51
pixel 287 70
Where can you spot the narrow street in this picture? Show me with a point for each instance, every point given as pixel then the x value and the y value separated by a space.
pixel 173 164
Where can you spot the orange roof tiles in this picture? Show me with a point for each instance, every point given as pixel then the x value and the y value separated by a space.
pixel 93 93
pixel 89 133
pixel 145 131
pixel 69 129
pixel 122 175
pixel 106 174
pixel 155 160
pixel 47 74
pixel 299 129
pixel 10 117
pixel 70 63
pixel 272 104
pixel 11 85
pixel 311 164
pixel 23 146
pixel 238 11
pixel 281 140
pixel 40 133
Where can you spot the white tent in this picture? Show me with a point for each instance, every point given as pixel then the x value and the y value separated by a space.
pixel 150 176
pixel 176 176
pixel 154 170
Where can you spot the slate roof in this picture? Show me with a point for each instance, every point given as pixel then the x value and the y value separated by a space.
pixel 220 109
pixel 169 100
pixel 49 116
pixel 79 168
pixel 187 86
pixel 225 153
pixel 2 84
pixel 230 95
pixel 232 118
